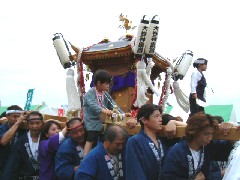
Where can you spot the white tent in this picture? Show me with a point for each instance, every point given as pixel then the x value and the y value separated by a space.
pixel 47 110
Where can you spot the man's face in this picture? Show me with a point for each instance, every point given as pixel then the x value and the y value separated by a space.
pixel 155 121
pixel 116 146
pixel 35 126
pixel 78 133
pixel 12 118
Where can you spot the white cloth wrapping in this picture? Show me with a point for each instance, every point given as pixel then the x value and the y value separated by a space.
pixel 143 82
pixel 72 94
pixel 232 172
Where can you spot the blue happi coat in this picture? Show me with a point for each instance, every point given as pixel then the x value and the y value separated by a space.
pixel 6 149
pixel 178 163
pixel 21 161
pixel 68 156
pixel 98 166
pixel 143 158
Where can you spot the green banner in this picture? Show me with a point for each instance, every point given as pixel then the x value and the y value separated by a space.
pixel 29 99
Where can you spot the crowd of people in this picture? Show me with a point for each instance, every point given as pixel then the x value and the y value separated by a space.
pixel 80 150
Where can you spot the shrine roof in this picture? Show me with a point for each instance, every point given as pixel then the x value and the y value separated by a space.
pixel 108 46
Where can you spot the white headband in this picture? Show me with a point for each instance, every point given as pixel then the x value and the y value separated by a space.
pixel 13 111
pixel 200 61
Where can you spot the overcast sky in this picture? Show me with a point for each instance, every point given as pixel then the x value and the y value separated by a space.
pixel 28 59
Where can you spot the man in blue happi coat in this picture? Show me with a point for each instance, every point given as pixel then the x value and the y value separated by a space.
pixel 10 132
pixel 70 152
pixel 107 160
pixel 145 150
pixel 23 160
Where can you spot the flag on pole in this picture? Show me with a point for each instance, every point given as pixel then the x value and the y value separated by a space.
pixel 29 99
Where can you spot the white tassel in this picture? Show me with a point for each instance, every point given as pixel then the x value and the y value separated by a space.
pixel 181 98
pixel 74 103
pixel 143 82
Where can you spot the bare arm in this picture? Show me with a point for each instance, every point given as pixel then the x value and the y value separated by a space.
pixel 171 127
pixel 11 132
pixel 64 131
pixel 131 122
pixel 199 176
pixel 225 128
pixel 76 168
pixel 107 112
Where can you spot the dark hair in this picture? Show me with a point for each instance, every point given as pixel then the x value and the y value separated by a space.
pixel 219 119
pixel 114 131
pixel 47 126
pixel 15 107
pixel 68 123
pixel 196 65
pixel 166 118
pixel 34 113
pixel 3 114
pixel 197 123
pixel 145 111
pixel 102 76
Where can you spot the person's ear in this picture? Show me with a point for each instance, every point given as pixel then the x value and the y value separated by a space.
pixel 144 120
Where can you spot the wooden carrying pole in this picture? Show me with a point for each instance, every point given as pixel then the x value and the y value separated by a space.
pixel 233 135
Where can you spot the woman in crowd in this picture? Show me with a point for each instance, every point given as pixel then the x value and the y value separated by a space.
pixel 52 137
pixel 190 158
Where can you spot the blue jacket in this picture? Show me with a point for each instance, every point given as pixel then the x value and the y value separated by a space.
pixel 143 158
pixel 68 156
pixel 97 166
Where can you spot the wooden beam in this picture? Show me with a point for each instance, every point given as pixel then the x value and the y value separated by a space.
pixel 59 118
pixel 233 135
